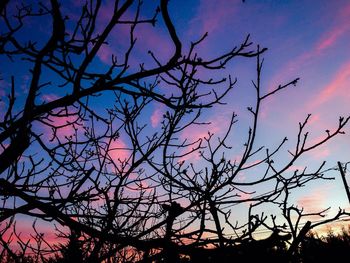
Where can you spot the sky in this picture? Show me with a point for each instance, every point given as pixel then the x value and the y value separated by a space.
pixel 306 39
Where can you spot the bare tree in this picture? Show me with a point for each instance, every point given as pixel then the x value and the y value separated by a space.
pixel 101 175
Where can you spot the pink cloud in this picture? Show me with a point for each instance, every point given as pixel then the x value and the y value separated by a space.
pixel 314 119
pixel 322 197
pixel 330 38
pixel 245 196
pixel 338 30
pixel 241 177
pixel 191 134
pixel 193 157
pixel 341 26
pixel 105 54
pixel 314 201
pixel 147 38
pixel 66 126
pixel 156 117
pixel 118 150
pixel 211 15
pixel 105 14
pixel 321 153
pixel 152 39
pixel 338 87
pixel 118 42
pixel 252 163
pixel 336 91
pixel 218 125
pixel 136 186
pixel 295 167
pixel 49 97
pixel 195 132
pixel 326 41
pixel 24 228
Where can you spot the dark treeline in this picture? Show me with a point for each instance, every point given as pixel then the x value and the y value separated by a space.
pixel 313 248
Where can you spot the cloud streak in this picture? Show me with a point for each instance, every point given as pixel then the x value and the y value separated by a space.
pixel 118 150
pixel 212 15
pixel 340 28
pixel 338 87
pixel 328 39
pixel 156 117
pixel 314 201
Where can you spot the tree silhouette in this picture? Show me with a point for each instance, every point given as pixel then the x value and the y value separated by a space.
pixel 72 252
pixel 78 152
pixel 315 248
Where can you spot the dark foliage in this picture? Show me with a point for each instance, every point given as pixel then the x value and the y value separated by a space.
pixel 313 248
pixel 327 248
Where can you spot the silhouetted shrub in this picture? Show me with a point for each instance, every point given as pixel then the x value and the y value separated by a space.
pixel 315 248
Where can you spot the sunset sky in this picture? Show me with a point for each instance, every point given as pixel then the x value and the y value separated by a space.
pixel 306 39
